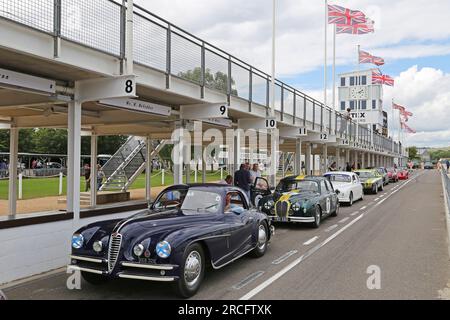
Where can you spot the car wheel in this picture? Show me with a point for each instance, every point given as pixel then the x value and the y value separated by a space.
pixel 362 196
pixel 350 202
pixel 94 279
pixel 192 271
pixel 263 238
pixel 317 217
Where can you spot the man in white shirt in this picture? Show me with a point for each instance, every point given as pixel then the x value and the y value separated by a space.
pixel 255 173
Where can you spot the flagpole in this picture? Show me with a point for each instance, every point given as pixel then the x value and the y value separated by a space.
pixel 272 87
pixel 334 66
pixel 325 74
pixel 357 101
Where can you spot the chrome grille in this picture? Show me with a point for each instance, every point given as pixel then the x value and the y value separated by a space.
pixel 282 208
pixel 113 250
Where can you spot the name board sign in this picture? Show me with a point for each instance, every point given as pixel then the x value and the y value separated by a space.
pixel 138 105
pixel 23 81
pixel 219 122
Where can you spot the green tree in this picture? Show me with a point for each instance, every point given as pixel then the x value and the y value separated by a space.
pixel 218 81
pixel 412 151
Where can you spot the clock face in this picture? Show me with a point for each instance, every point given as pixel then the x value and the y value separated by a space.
pixel 358 93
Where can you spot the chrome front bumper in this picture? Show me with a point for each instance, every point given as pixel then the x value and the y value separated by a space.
pixel 291 219
pixel 138 273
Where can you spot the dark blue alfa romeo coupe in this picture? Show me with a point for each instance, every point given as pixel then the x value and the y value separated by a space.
pixel 187 228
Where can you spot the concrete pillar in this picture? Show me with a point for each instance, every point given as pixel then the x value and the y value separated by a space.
pixel 274 157
pixel 188 172
pixel 237 150
pixel 308 159
pixel 204 166
pixel 298 156
pixel 148 170
pixel 13 157
pixel 347 157
pixel 338 158
pixel 74 161
pixel 178 154
pixel 324 159
pixel 363 160
pixel 356 159
pixel 94 152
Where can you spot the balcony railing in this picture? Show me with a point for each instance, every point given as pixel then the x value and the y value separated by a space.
pixel 162 46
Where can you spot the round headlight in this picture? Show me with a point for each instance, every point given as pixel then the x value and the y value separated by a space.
pixel 163 249
pixel 296 207
pixel 269 204
pixel 138 250
pixel 97 246
pixel 77 241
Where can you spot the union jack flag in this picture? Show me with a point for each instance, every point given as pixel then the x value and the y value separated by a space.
pixel 365 57
pixel 379 78
pixel 341 15
pixel 359 28
pixel 398 107
pixel 407 128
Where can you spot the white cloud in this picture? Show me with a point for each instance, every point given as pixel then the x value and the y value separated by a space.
pixel 404 29
pixel 426 93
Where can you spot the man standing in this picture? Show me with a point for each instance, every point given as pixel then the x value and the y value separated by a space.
pixel 255 173
pixel 242 179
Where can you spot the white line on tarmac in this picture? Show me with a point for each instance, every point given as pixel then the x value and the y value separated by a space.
pixel 310 241
pixel 343 220
pixel 247 280
pixel 354 213
pixel 334 226
pixel 284 257
pixel 363 208
pixel 293 264
pixel 376 199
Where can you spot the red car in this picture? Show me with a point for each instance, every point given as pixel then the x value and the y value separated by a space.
pixel 392 174
pixel 403 174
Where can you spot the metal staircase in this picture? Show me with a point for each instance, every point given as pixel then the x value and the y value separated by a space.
pixel 127 164
pixel 288 161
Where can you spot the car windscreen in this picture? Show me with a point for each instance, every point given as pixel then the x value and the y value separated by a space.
pixel 201 201
pixel 170 199
pixel 339 177
pixel 304 185
pixel 365 175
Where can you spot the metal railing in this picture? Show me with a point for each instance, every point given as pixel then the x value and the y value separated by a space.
pixel 162 46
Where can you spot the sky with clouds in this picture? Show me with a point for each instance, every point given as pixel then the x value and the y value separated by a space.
pixel 412 35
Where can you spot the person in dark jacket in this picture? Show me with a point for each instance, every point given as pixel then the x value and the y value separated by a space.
pixel 242 179
pixel 348 167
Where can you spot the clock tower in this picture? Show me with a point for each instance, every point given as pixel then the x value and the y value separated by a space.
pixel 365 100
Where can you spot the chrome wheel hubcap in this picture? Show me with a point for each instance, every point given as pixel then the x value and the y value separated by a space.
pixel 317 216
pixel 192 268
pixel 262 237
